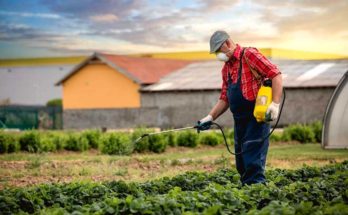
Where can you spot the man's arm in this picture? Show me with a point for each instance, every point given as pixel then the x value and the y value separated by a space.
pixel 220 108
pixel 277 87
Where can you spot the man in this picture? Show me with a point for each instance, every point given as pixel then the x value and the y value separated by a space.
pixel 238 92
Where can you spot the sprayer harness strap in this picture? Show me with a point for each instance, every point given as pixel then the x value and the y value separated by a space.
pixel 253 71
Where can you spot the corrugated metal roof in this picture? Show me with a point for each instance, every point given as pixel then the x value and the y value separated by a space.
pixel 142 70
pixel 296 73
pixel 31 85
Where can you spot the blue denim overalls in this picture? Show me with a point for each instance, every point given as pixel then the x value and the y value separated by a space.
pixel 248 134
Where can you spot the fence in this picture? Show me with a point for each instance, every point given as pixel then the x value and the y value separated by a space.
pixel 31 117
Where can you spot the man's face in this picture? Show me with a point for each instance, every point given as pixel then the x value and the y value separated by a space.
pixel 224 48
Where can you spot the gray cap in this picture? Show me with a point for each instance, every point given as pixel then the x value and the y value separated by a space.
pixel 217 39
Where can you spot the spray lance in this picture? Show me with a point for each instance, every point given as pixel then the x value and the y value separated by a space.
pixel 263 100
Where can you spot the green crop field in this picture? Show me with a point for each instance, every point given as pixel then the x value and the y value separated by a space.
pixel 305 190
pixel 90 172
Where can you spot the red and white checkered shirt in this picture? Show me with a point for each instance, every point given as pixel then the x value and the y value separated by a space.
pixel 249 84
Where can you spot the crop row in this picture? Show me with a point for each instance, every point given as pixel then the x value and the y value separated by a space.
pixel 308 190
pixel 122 143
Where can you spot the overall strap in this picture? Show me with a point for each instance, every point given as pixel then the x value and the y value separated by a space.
pixel 239 69
pixel 240 66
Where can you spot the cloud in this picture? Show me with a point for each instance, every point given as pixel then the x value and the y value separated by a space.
pixel 79 10
pixel 140 25
pixel 215 5
pixel 39 15
pixel 17 32
pixel 317 17
pixel 104 18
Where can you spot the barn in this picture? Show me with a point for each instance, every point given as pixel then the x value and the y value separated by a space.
pixel 189 93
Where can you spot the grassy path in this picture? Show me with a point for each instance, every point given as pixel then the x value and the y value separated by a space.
pixel 22 169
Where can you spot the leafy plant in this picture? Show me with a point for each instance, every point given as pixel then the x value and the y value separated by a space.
pixel 76 142
pixel 187 138
pixel 171 139
pixel 8 143
pixel 317 128
pixel 210 138
pixel 55 102
pixel 143 144
pixel 157 143
pixel 93 137
pixel 301 133
pixel 116 144
pixel 308 190
pixel 30 141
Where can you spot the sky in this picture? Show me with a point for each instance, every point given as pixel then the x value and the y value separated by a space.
pixel 44 28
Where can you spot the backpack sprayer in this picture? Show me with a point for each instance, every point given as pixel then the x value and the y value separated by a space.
pixel 263 100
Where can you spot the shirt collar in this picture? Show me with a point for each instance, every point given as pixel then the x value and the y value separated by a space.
pixel 237 51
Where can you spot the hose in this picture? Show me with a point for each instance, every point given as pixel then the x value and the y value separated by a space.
pixel 223 134
pixel 262 140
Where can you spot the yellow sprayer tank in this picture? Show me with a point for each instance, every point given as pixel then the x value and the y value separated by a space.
pixel 263 100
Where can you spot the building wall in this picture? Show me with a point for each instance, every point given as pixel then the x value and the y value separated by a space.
pixel 302 105
pixel 179 109
pixel 100 86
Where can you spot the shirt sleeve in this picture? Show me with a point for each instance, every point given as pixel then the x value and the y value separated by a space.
pixel 259 62
pixel 223 95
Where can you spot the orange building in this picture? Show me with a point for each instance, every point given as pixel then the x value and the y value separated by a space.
pixel 113 81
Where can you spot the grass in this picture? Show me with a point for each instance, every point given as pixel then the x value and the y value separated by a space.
pixel 92 166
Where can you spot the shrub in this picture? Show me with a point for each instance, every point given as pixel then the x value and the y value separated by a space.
pixel 275 137
pixel 317 128
pixel 46 144
pixel 301 133
pixel 30 141
pixel 229 133
pixel 187 138
pixel 116 144
pixel 210 138
pixel 171 139
pixel 144 144
pixel 157 143
pixel 59 139
pixel 55 102
pixel 8 143
pixel 93 137
pixel 76 142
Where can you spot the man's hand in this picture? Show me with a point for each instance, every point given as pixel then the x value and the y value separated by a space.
pixel 205 123
pixel 272 111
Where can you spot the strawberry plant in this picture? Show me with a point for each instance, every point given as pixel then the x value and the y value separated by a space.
pixel 308 190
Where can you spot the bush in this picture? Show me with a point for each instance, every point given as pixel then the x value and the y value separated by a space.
pixel 116 144
pixel 317 128
pixel 171 139
pixel 157 143
pixel 93 137
pixel 55 102
pixel 30 141
pixel 229 133
pixel 301 133
pixel 59 139
pixel 144 144
pixel 210 138
pixel 76 142
pixel 8 143
pixel 275 137
pixel 47 144
pixel 187 139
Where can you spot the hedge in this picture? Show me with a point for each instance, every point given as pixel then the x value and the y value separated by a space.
pixel 123 143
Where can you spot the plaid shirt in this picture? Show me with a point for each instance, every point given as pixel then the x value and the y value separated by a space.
pixel 249 84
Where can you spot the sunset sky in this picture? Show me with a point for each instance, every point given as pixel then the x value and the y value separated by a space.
pixel 41 28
